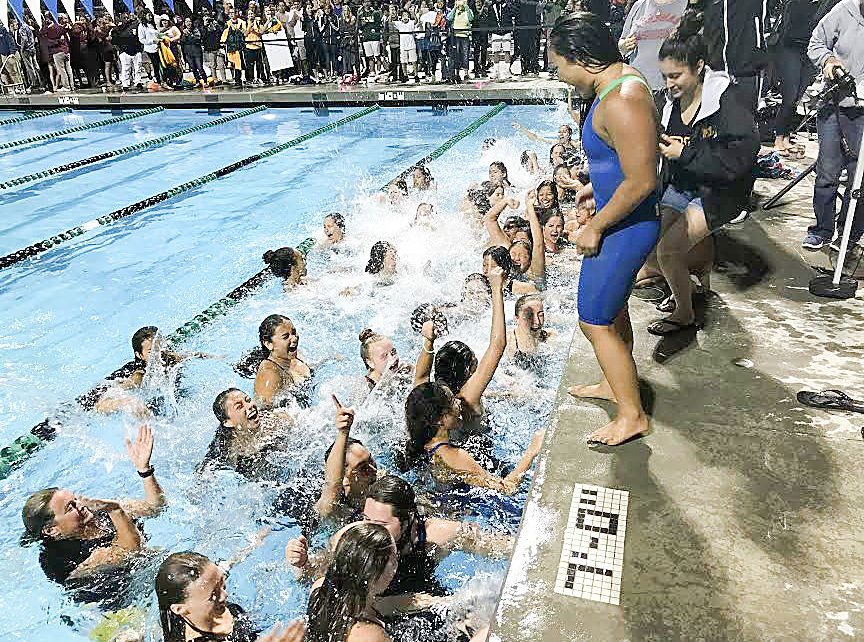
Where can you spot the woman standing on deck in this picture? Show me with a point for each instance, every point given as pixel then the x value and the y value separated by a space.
pixel 625 227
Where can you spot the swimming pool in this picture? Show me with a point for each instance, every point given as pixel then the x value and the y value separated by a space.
pixel 67 316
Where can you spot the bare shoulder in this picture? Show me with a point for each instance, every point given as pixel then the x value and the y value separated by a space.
pixel 367 632
pixel 441 531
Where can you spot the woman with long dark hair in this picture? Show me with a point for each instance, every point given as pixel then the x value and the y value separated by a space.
pixel 342 603
pixel 193 605
pixel 624 229
pixel 281 368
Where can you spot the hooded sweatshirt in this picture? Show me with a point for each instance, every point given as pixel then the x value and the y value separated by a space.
pixel 841 34
pixel 718 160
pixel 734 32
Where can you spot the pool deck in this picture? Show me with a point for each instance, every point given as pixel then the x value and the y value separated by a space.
pixel 517 90
pixel 745 508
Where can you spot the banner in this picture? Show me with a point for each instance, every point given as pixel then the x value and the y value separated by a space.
pixel 69 8
pixel 35 7
pixel 109 7
pixel 4 12
pixel 17 9
pixel 88 7
pixel 149 5
pixel 52 7
pixel 128 4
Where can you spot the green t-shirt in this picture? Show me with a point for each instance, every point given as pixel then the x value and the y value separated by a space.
pixel 370 25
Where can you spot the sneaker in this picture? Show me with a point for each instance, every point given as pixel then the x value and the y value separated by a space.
pixel 813 242
pixel 743 216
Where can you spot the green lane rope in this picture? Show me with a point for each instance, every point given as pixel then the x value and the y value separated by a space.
pixel 35 114
pixel 24 446
pixel 155 142
pixel 80 128
pixel 439 151
pixel 107 219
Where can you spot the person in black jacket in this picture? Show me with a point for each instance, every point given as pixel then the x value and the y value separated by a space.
pixel 193 52
pixel 528 36
pixel 125 39
pixel 212 27
pixel 709 148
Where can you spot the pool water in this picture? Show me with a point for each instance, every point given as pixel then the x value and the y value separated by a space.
pixel 67 316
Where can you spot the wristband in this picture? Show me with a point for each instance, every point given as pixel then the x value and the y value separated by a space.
pixel 147 473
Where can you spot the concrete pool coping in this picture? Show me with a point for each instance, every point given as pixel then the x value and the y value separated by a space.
pixel 516 91
pixel 743 504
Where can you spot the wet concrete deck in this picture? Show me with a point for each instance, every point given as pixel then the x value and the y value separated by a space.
pixel 745 508
pixel 520 89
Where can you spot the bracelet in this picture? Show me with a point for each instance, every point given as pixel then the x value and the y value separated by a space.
pixel 428 351
pixel 147 473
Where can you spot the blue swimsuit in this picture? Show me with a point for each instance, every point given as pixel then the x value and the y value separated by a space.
pixel 606 279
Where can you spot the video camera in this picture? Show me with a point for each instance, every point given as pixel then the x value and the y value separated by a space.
pixel 843 86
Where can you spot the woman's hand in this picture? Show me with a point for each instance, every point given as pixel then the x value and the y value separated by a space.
pixel 627 44
pixel 531 196
pixel 297 552
pixel 428 331
pixel 140 451
pixel 344 416
pixel 588 239
pixel 670 148
pixel 496 278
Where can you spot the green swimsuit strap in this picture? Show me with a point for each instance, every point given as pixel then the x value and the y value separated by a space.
pixel 620 81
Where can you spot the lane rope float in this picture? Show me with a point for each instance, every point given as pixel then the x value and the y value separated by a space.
pixel 134 208
pixel 35 114
pixel 155 142
pixel 22 448
pixel 80 128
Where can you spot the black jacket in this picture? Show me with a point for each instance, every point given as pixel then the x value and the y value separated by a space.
pixel 734 32
pixel 211 35
pixel 502 17
pixel 125 37
pixel 718 160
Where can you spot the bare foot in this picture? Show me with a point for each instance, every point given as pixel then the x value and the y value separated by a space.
pixel 600 390
pixel 620 430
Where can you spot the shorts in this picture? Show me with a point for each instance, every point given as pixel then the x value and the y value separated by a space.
pixel 680 200
pixel 501 43
pixel 407 56
pixel 372 49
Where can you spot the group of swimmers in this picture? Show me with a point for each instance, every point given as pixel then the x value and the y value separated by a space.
pixel 379 565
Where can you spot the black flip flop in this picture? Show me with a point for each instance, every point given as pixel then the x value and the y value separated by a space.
pixel 830 400
pixel 657 330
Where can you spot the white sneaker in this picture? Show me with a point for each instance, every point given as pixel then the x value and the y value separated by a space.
pixel 743 216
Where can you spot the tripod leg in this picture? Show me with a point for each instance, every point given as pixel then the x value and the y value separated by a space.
pixel 855 186
pixel 772 202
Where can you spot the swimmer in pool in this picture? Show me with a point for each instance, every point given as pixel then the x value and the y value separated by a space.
pixel 498 174
pixel 552 222
pixel 287 264
pixel 528 332
pixel 422 179
pixel 623 232
pixel 281 370
pixel 565 136
pixel 379 356
pixel 86 540
pixel 476 298
pixel 194 605
pixel 422 542
pixel 244 437
pixel 566 186
pixel 383 261
pixel 334 229
pixel 343 605
pixel 480 198
pixel 349 471
pixel 529 162
pixel 528 259
pixel 396 193
pixel 425 216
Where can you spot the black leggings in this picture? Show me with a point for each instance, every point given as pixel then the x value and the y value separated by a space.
pixel 157 66
pixel 196 64
pixel 395 65
pixel 255 60
pixel 796 71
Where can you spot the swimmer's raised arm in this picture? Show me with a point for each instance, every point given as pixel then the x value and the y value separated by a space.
pixel 468 537
pixel 254 543
pixel 535 137
pixel 490 222
pixel 473 390
pixel 538 248
pixel 334 469
pixel 154 498
pixel 423 368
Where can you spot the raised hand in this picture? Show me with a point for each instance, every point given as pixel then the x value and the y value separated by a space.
pixel 344 416
pixel 297 552
pixel 141 449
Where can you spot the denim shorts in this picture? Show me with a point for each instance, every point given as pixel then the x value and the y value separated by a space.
pixel 679 201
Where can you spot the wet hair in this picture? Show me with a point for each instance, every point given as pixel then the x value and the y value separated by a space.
pixel 401 184
pixel 367 337
pixel 551 185
pixel 351 441
pixel 455 362
pixel 525 299
pixel 515 221
pixel 220 446
pixel 175 575
pixel 489 142
pixel 503 168
pixel 584 39
pixel 479 196
pixel 685 49
pixel 360 558
pixel 219 404
pixel 568 128
pixel 399 495
pixel 525 158
pixel 37 515
pixel 141 335
pixel 248 365
pixel 338 220
pixel 424 407
pixel 423 170
pixel 501 256
pixel 281 261
pixel 376 256
pixel 549 214
pixel 427 312
pixel 527 246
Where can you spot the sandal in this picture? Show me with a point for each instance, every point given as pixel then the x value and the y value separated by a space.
pixel 666 327
pixel 830 400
